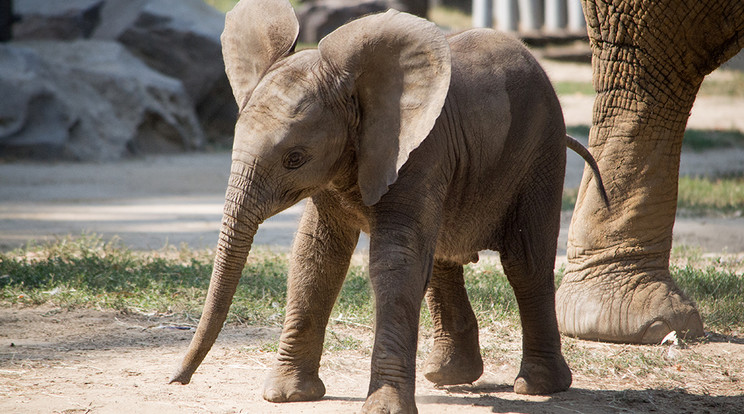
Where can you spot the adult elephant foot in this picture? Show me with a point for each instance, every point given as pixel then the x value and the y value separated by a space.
pixel 455 360
pixel 290 386
pixel 641 309
pixel 544 375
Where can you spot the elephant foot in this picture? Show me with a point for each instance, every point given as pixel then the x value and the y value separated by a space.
pixel 389 400
pixel 540 376
pixel 626 308
pixel 291 386
pixel 454 362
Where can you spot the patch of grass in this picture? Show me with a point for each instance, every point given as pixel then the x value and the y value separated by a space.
pixel 706 139
pixel 450 18
pixel 718 291
pixel 694 139
pixel 568 200
pixel 222 5
pixel 578 130
pixel 490 293
pixel 355 303
pixel 625 359
pixel 87 272
pixel 733 86
pixel 703 196
pixel 574 88
pixel 698 196
pixel 337 341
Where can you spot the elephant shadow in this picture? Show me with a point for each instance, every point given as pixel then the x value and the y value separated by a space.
pixel 585 400
pixel 721 338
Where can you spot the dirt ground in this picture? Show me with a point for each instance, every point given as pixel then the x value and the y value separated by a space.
pixel 98 361
pixel 93 361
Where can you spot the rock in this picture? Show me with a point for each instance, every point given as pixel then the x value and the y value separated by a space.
pixel 319 18
pixel 89 100
pixel 62 20
pixel 179 38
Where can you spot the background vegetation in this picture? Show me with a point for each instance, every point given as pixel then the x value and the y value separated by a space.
pixel 87 272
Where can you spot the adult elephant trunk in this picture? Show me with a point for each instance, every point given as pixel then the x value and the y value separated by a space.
pixel 649 60
pixel 243 212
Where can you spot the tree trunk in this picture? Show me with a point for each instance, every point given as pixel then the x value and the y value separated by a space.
pixel 649 60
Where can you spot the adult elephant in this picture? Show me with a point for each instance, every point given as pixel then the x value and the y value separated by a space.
pixel 649 60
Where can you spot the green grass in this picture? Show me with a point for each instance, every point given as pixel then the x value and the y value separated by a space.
pixel 573 88
pixel 706 139
pixel 89 272
pixel 491 295
pixel 227 5
pixel 694 139
pixel 719 293
pixel 698 196
pixel 86 272
pixel 705 196
pixel 733 87
pixel 450 18
pixel 221 5
pixel 716 284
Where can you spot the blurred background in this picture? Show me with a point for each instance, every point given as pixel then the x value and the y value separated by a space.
pixel 116 116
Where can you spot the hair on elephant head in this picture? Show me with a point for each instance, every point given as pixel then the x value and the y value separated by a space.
pixel 438 147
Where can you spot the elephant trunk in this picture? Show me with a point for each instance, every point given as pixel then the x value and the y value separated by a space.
pixel 241 218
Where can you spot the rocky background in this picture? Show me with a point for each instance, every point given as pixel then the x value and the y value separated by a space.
pixel 98 80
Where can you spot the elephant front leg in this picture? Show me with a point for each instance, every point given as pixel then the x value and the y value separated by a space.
pixel 455 357
pixel 398 274
pixel 320 259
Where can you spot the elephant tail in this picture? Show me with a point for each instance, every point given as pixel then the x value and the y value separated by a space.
pixel 575 146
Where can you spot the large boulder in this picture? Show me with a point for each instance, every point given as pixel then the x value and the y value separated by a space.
pixel 63 20
pixel 180 38
pixel 89 100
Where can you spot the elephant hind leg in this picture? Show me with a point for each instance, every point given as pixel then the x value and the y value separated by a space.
pixel 528 257
pixel 455 357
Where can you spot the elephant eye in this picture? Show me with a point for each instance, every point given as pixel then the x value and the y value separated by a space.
pixel 295 159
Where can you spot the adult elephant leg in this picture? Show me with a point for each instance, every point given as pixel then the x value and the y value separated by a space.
pixel 455 357
pixel 617 286
pixel 321 253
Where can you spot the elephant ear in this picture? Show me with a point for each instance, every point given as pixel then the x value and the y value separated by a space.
pixel 257 33
pixel 398 66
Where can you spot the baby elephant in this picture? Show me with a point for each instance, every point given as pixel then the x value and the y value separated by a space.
pixel 436 147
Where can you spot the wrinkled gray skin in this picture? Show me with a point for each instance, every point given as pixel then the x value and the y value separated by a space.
pixel 649 60
pixel 438 148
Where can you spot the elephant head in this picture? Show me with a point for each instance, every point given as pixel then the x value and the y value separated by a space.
pixel 351 110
